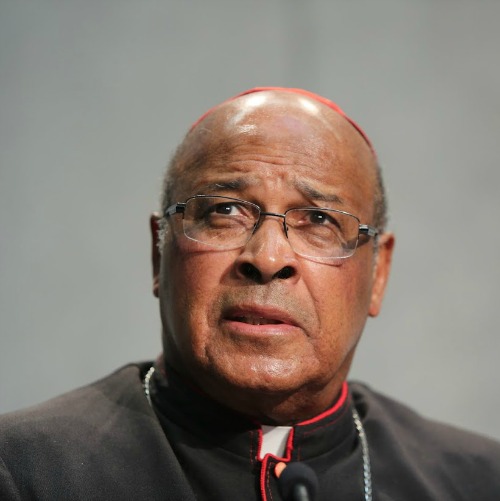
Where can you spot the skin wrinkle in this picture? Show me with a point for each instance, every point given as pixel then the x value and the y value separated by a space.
pixel 297 373
pixel 239 184
pixel 196 186
pixel 191 155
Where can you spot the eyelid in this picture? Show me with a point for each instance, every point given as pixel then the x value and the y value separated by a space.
pixel 239 197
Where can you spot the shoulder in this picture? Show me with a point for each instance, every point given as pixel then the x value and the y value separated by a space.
pixel 101 441
pixel 77 417
pixel 89 404
pixel 440 454
pixel 387 415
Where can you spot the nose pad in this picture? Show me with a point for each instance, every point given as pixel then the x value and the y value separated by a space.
pixel 268 255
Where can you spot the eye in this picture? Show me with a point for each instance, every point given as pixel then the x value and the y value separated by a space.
pixel 226 215
pixel 322 218
pixel 317 222
pixel 225 209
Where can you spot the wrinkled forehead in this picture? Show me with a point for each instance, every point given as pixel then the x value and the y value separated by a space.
pixel 285 136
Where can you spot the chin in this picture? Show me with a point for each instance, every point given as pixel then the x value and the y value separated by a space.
pixel 276 378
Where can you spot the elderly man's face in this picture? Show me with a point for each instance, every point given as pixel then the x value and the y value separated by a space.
pixel 270 344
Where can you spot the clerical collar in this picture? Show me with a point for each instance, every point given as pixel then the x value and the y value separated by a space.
pixel 274 440
pixel 332 431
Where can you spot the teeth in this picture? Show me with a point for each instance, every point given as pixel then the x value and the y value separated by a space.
pixel 257 320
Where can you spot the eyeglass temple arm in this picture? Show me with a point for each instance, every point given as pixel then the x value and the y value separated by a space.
pixel 174 209
pixel 368 230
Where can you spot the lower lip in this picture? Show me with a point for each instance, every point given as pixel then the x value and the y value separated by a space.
pixel 244 329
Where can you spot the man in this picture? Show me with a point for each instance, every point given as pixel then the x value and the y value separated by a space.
pixel 268 256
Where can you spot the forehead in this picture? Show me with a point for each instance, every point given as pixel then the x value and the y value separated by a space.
pixel 282 136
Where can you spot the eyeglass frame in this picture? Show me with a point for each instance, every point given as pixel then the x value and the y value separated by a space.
pixel 363 229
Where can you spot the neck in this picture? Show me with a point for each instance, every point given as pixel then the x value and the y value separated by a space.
pixel 271 408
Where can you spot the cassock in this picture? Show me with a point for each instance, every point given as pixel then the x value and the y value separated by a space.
pixel 111 441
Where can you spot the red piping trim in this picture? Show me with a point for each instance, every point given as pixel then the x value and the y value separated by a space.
pixel 340 402
pixel 311 95
pixel 263 473
pixel 289 445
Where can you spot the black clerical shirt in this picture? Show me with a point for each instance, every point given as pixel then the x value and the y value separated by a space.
pixel 105 442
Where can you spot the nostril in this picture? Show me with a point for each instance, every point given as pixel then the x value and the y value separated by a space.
pixel 285 272
pixel 250 271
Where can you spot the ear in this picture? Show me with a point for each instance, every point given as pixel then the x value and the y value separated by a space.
pixel 154 224
pixel 381 272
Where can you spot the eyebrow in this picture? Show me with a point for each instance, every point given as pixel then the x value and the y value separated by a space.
pixel 302 186
pixel 233 184
pixel 314 194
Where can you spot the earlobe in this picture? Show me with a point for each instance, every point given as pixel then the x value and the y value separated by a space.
pixel 381 272
pixel 154 224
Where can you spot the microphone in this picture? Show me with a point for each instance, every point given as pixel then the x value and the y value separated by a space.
pixel 298 482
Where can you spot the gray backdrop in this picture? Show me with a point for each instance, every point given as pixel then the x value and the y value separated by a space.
pixel 94 96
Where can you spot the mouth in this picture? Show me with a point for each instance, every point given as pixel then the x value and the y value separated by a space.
pixel 259 316
pixel 255 320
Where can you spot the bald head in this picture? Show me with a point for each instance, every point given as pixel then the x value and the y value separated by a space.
pixel 282 116
pixel 269 324
pixel 300 92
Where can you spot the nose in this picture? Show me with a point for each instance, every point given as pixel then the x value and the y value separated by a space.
pixel 268 255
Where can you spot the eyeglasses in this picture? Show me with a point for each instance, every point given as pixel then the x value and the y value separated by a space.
pixel 229 223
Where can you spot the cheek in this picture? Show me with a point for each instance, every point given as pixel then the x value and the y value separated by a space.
pixel 191 283
pixel 342 297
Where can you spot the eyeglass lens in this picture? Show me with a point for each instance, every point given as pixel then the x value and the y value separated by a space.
pixel 229 223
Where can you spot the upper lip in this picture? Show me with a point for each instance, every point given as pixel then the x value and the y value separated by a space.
pixel 270 313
